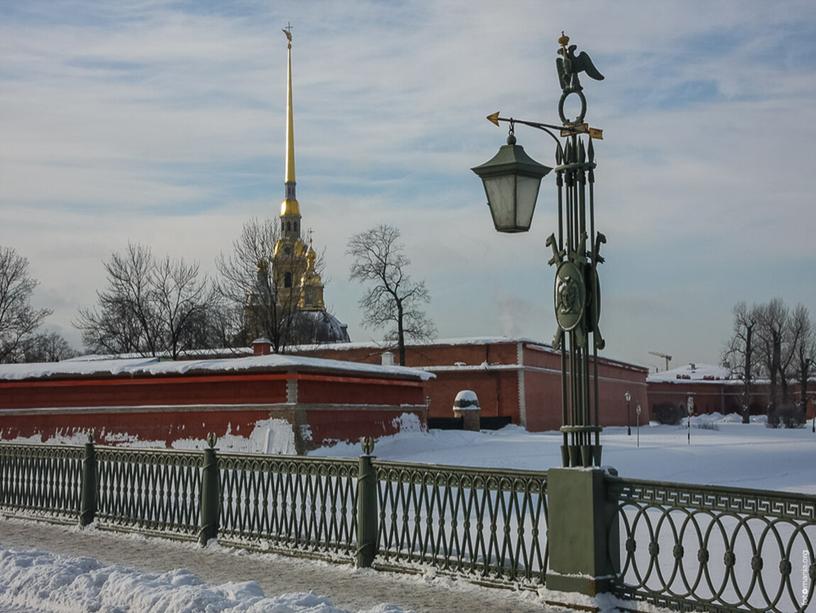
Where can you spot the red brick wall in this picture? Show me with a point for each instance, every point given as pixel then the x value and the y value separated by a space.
pixel 330 425
pixel 427 355
pixel 224 389
pixel 360 391
pixel 542 399
pixel 162 425
pixel 498 390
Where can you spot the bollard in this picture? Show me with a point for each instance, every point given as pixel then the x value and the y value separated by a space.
pixel 87 508
pixel 209 502
pixel 367 526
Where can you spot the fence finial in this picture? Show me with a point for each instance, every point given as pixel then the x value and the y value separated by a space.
pixel 212 439
pixel 368 445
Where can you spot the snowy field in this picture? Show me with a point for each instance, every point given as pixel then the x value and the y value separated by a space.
pixel 734 454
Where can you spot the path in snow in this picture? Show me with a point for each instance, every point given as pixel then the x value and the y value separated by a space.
pixel 346 587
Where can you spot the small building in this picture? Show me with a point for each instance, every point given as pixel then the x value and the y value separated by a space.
pixel 271 403
pixel 714 389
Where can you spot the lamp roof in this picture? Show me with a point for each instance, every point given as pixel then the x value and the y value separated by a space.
pixel 511 158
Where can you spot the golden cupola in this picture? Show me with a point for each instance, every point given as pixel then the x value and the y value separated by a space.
pixel 311 285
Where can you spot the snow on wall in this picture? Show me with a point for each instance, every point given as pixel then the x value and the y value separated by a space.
pixel 691 372
pixel 152 366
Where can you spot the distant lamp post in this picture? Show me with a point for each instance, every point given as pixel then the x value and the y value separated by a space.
pixel 511 182
pixel 637 411
pixel 690 410
pixel 628 397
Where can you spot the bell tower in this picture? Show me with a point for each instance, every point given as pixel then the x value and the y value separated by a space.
pixel 289 261
pixel 290 209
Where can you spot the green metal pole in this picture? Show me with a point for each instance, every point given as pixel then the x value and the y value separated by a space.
pixel 87 509
pixel 210 496
pixel 367 521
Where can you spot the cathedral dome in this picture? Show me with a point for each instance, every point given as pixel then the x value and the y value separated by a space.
pixel 317 328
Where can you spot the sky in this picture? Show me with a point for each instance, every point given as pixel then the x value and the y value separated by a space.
pixel 163 123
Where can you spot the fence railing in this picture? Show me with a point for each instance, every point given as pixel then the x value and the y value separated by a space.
pixel 157 490
pixel 486 524
pixel 35 478
pixel 288 502
pixel 682 546
pixel 715 548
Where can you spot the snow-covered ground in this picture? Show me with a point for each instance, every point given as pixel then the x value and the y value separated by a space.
pixel 735 454
pixel 35 580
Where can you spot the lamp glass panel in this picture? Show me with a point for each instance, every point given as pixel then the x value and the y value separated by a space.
pixel 526 194
pixel 501 196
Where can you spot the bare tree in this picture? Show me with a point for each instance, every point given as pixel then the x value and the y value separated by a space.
pixel 740 352
pixel 47 347
pixel 246 284
pixel 393 299
pixel 148 307
pixel 795 326
pixel 770 330
pixel 18 319
pixel 180 299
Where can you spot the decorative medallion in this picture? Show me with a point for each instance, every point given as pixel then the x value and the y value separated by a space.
pixel 570 295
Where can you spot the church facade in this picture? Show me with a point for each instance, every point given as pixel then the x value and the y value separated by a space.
pixel 287 305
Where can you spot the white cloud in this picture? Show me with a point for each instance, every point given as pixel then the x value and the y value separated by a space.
pixel 161 123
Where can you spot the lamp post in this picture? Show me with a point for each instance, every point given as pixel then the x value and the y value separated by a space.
pixel 690 410
pixel 637 411
pixel 511 183
pixel 628 397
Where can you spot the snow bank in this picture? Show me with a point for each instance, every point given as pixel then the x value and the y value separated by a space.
pixel 43 581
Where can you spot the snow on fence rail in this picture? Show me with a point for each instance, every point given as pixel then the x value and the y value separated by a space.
pixel 716 548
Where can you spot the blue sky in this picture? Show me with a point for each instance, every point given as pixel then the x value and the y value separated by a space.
pixel 162 123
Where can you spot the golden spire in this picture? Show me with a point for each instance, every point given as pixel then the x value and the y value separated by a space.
pixel 290 204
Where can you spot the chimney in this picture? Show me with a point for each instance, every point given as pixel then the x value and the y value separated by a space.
pixel 262 346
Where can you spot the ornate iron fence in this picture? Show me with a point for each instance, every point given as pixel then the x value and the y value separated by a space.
pixel 288 502
pixel 485 524
pixel 682 546
pixel 149 489
pixel 709 548
pixel 41 479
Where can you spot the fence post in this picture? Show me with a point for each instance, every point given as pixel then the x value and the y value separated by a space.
pixel 367 525
pixel 582 531
pixel 210 496
pixel 87 504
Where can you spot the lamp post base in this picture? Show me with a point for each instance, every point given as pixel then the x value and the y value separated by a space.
pixel 579 450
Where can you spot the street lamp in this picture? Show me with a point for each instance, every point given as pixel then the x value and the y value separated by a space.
pixel 628 397
pixel 511 182
pixel 637 411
